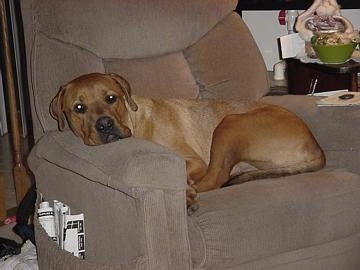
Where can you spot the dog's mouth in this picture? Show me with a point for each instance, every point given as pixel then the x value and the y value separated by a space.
pixel 111 137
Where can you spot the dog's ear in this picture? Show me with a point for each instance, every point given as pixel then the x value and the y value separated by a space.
pixel 56 110
pixel 125 87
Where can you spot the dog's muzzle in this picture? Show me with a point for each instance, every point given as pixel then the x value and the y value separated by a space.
pixel 106 129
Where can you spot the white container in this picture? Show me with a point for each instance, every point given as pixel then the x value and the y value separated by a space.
pixel 46 219
pixel 279 71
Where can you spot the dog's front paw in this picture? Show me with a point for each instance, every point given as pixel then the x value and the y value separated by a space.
pixel 191 196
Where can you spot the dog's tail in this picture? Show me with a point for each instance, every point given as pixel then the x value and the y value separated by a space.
pixel 256 174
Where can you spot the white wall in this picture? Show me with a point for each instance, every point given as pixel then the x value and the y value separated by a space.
pixel 265 27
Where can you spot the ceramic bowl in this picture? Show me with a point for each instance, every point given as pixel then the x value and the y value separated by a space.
pixel 334 54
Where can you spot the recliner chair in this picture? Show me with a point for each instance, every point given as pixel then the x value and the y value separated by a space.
pixel 132 192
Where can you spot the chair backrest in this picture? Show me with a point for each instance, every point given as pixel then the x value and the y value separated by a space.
pixel 187 48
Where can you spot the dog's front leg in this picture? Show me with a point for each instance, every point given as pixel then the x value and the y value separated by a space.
pixel 195 169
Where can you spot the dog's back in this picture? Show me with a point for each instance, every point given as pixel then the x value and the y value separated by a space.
pixel 184 121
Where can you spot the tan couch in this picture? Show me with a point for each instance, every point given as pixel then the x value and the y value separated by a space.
pixel 132 192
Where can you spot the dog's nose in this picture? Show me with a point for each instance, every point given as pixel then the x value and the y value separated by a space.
pixel 104 124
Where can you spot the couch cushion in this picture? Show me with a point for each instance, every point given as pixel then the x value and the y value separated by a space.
pixel 157 77
pixel 56 63
pixel 264 218
pixel 121 28
pixel 228 65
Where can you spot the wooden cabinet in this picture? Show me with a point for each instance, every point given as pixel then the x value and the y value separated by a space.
pixel 302 78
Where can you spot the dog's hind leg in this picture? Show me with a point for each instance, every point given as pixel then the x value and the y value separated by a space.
pixel 223 157
pixel 271 139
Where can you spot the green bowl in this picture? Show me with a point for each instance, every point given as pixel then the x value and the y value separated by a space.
pixel 334 54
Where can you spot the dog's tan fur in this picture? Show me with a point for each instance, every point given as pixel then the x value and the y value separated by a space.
pixel 212 135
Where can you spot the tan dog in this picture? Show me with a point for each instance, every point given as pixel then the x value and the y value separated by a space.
pixel 213 136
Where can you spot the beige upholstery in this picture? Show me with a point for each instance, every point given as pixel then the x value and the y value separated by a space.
pixel 132 192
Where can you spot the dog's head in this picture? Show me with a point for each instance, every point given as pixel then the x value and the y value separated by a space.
pixel 94 107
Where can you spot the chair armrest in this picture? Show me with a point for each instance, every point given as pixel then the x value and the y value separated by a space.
pixel 122 165
pixel 136 186
pixel 336 129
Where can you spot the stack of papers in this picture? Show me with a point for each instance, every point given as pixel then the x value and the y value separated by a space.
pixel 334 99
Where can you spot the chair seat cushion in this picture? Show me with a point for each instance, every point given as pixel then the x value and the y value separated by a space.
pixel 263 218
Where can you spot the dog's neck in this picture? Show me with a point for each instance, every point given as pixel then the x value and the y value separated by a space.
pixel 140 117
pixel 130 118
pixel 136 117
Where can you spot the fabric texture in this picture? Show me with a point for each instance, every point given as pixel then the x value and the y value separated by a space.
pixel 290 213
pixel 221 73
pixel 119 29
pixel 176 77
pixel 26 260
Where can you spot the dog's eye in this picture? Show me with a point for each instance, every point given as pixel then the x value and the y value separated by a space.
pixel 110 99
pixel 80 108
